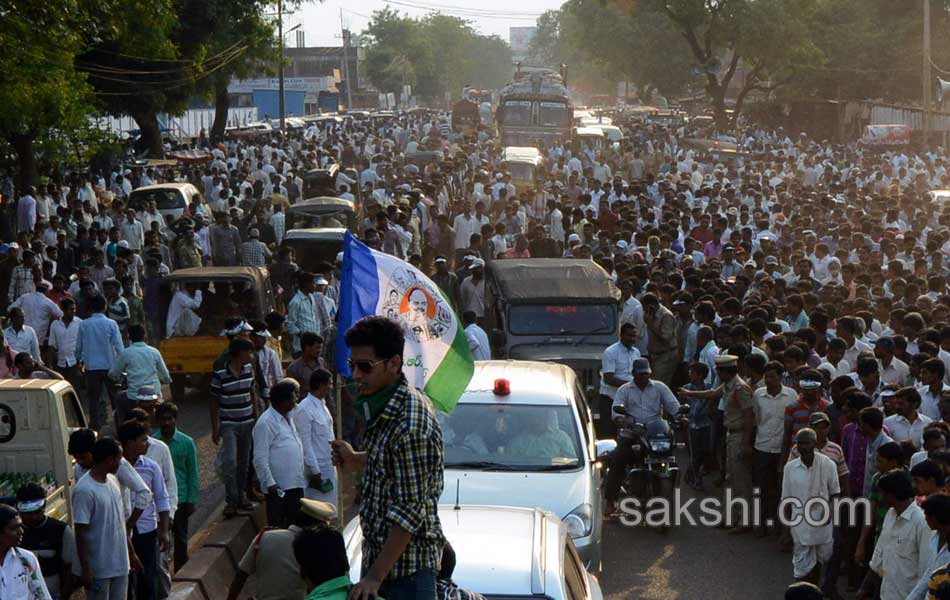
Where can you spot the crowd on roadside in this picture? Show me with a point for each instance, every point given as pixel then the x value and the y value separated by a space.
pixel 802 283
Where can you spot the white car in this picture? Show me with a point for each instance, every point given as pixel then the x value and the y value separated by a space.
pixel 521 435
pixel 504 553
pixel 169 198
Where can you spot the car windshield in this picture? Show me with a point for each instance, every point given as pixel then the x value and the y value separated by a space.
pixel 522 171
pixel 553 114
pixel 163 199
pixel 555 319
pixel 517 112
pixel 510 437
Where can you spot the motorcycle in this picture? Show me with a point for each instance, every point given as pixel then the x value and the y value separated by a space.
pixel 654 473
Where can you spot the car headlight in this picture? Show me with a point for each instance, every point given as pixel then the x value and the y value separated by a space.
pixel 579 522
pixel 660 445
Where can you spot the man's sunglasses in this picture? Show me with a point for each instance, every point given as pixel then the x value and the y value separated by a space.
pixel 366 366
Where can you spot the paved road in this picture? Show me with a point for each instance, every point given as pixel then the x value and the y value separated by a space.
pixel 683 564
pixel 193 419
pixel 691 563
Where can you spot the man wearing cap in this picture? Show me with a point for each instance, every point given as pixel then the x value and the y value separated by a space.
pixel 645 400
pixel 254 252
pixel 472 290
pixel 51 540
pixel 811 401
pixel 446 280
pixel 267 361
pixel 812 475
pixel 270 557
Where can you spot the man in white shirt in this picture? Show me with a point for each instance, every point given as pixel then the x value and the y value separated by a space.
pixel 812 475
pixel 38 311
pixel 616 369
pixel 906 425
pixel 278 455
pixel 894 371
pixel 315 427
pixel 63 333
pixel 477 338
pixel 902 553
pixel 20 336
pixel 768 404
pixel 188 299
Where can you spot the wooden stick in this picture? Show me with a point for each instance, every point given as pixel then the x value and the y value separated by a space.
pixel 338 423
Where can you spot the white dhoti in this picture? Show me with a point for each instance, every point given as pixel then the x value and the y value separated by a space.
pixel 805 558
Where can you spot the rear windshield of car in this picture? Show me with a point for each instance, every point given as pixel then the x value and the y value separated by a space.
pixel 163 199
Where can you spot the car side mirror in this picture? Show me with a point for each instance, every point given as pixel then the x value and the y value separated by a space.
pixel 604 448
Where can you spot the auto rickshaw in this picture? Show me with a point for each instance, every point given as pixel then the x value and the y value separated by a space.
pixel 588 137
pixel 526 166
pixel 227 293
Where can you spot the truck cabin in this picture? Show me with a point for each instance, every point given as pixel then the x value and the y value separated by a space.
pixel 562 310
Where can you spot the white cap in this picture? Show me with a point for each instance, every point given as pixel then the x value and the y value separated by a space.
pixel 477 263
pixel 573 238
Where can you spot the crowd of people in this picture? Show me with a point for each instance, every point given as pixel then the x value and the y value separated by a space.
pixel 794 292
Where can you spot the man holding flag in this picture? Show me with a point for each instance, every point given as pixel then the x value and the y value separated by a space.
pixel 405 364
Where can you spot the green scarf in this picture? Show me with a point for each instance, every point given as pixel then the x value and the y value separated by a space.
pixel 373 404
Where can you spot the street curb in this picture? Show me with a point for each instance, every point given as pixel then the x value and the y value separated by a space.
pixel 214 556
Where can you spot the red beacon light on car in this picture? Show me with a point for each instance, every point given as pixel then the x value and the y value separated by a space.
pixel 502 387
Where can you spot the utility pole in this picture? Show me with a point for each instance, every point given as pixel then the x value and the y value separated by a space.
pixel 346 63
pixel 926 73
pixel 280 64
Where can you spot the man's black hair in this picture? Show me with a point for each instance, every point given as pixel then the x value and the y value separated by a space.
pixel 928 469
pixel 136 333
pixel 81 441
pixel 130 430
pixel 104 449
pixel 469 317
pixel 320 377
pixel 383 335
pixel 239 345
pixel 309 338
pixel 896 482
pixel 30 492
pixel 321 555
pixel 167 407
pixel 803 590
pixel 937 506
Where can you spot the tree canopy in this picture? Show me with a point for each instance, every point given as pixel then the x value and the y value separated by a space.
pixel 435 54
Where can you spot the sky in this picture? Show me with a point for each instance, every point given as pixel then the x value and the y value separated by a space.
pixel 321 20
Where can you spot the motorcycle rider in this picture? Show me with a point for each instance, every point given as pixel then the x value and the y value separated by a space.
pixel 644 400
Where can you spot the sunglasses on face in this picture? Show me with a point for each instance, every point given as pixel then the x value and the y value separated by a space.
pixel 366 366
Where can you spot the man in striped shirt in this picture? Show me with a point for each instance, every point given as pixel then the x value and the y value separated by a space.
pixel 233 412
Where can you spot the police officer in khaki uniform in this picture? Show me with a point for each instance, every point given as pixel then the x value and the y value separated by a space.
pixel 271 556
pixel 739 423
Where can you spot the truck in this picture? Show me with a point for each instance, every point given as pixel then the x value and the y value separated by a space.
pixel 535 109
pixel 561 310
pixel 36 418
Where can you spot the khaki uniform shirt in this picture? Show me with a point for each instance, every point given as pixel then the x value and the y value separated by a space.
pixel 737 397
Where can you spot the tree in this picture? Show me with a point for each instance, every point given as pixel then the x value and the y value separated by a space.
pixel 434 55
pixel 40 90
pixel 236 22
pixel 768 39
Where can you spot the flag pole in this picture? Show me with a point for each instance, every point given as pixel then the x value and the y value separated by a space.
pixel 338 423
